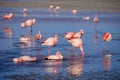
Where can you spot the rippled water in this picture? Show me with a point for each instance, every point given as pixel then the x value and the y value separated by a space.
pixel 97 52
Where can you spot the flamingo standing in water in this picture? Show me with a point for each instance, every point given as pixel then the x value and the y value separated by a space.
pixel 96 20
pixel 24 59
pixel 50 9
pixel 51 41
pixel 30 23
pixel 56 10
pixel 77 42
pixel 25 12
pixel 58 56
pixel 38 36
pixel 8 16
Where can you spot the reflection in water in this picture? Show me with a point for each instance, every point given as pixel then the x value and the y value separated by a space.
pixel 52 66
pixel 95 37
pixel 27 41
pixel 107 61
pixel 75 66
pixel 8 32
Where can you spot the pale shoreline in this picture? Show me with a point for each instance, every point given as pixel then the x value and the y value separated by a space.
pixel 102 5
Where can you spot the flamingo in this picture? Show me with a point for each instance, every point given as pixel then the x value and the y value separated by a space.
pixel 79 34
pixel 24 39
pixel 74 11
pixel 107 36
pixel 8 16
pixel 96 20
pixel 30 23
pixel 77 42
pixel 58 56
pixel 68 35
pixel 56 10
pixel 50 9
pixel 25 11
pixel 24 59
pixel 38 36
pixel 51 41
pixel 85 17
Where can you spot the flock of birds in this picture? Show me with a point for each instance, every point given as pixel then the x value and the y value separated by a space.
pixel 74 38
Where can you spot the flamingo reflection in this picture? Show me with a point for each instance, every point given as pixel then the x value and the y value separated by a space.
pixel 52 66
pixel 76 66
pixel 8 32
pixel 107 61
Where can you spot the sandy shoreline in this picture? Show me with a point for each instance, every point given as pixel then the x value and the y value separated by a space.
pixel 102 5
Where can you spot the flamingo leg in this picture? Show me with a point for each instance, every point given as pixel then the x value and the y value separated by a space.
pixel 49 50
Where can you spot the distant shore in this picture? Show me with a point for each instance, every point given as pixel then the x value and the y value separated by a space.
pixel 95 5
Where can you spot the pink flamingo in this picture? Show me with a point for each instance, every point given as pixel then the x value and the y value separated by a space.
pixel 68 35
pixel 25 12
pixel 38 36
pixel 107 36
pixel 30 23
pixel 96 20
pixel 58 56
pixel 74 11
pixel 8 16
pixel 51 41
pixel 77 42
pixel 24 59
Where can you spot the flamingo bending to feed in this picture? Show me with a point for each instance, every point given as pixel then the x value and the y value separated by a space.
pixel 58 56
pixel 51 41
pixel 77 42
pixel 96 20
pixel 38 36
pixel 107 36
pixel 8 16
pixel 24 59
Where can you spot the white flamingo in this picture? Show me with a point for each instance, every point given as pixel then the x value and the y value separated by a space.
pixel 58 56
pixel 24 59
pixel 51 41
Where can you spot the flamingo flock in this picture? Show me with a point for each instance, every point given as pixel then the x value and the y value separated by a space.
pixel 74 38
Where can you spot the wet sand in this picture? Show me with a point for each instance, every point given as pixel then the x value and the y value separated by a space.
pixel 96 5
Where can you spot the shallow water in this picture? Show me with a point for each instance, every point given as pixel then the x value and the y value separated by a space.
pixel 99 55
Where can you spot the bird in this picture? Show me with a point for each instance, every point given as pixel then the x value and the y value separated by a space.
pixel 96 20
pixel 77 42
pixel 107 36
pixel 68 35
pixel 51 9
pixel 24 39
pixel 74 11
pixel 58 56
pixel 56 10
pixel 51 41
pixel 38 36
pixel 25 12
pixel 85 18
pixel 30 23
pixel 78 34
pixel 24 59
pixel 8 16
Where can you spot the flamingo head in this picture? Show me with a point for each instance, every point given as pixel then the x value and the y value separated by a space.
pixel 82 31
pixel 58 53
